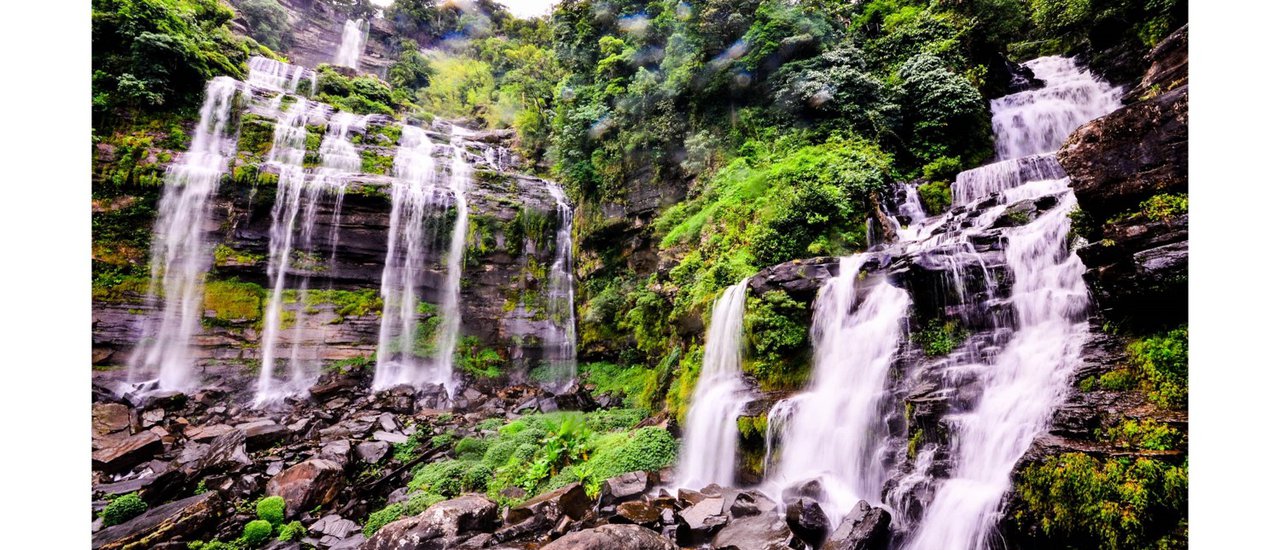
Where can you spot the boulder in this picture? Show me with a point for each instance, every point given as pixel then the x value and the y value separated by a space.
pixel 207 433
pixel 443 525
pixel 751 503
pixel 225 454
pixel 762 532
pixel 864 528
pixel 372 451
pixel 308 484
pixel 338 451
pixel 700 521
pixel 612 537
pixel 569 501
pixel 174 521
pixel 806 519
pixel 390 437
pixel 126 452
pixel 623 487
pixel 109 418
pixel 261 434
pixel 637 512
pixel 335 526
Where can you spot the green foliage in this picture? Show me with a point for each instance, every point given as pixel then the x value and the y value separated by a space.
pixel 935 197
pixel 361 94
pixel 647 449
pixel 470 448
pixel 1161 363
pixel 947 116
pixel 256 532
pixel 1144 434
pixel 1083 502
pixel 942 169
pixel 232 302
pixel 123 508
pixel 634 384
pixel 1117 380
pixel 609 420
pixel 411 71
pixel 158 54
pixel 268 22
pixel 459 87
pixel 271 509
pixel 404 452
pixel 291 531
pixel 474 358
pixel 776 328
pixel 441 478
pixel 373 162
pixel 939 338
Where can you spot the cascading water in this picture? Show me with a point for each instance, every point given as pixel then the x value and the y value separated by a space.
pixel 711 427
pixel 1022 386
pixel 450 311
pixel 414 196
pixel 834 429
pixel 352 46
pixel 179 253
pixel 273 75
pixel 561 339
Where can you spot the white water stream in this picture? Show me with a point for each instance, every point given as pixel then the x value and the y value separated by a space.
pixel 711 425
pixel 180 254
pixel 561 338
pixel 352 45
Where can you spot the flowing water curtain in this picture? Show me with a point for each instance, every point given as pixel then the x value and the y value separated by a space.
pixel 561 336
pixel 180 253
pixel 351 48
pixel 709 452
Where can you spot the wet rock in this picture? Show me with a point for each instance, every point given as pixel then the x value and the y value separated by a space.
pixel 811 489
pixel 806 519
pixel 637 512
pixel 751 503
pixel 372 451
pixel 260 434
pixel 338 451
pixel 311 483
pixel 110 418
pixel 576 398
pixel 443 525
pixel 700 521
pixel 762 532
pixel 225 453
pixel 126 452
pixel 207 433
pixel 169 522
pixel 152 417
pixel 864 528
pixel 620 488
pixel 612 537
pixel 800 279
pixel 570 500
pixel 335 526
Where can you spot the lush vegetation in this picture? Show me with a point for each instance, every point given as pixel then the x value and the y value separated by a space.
pixel 122 508
pixel 535 453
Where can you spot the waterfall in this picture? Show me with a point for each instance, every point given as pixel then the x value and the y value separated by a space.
pixel 1025 382
pixel 711 426
pixel 352 46
pixel 277 76
pixel 1038 121
pixel 179 253
pixel 561 339
pixel 415 195
pixel 834 430
pixel 450 312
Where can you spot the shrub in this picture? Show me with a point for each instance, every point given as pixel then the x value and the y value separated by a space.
pixel 939 338
pixel 935 197
pixel 256 532
pixel 648 449
pixel 123 508
pixel 268 23
pixel 442 478
pixel 776 328
pixel 1161 362
pixel 292 531
pixel 419 502
pixel 608 420
pixel 386 515
pixel 946 116
pixel 271 509
pixel 470 448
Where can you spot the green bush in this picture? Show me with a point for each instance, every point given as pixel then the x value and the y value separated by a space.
pixel 256 532
pixel 776 329
pixel 1161 363
pixel 442 478
pixel 939 338
pixel 935 197
pixel 268 23
pixel 609 420
pixel 648 449
pixel 292 531
pixel 271 509
pixel 470 448
pixel 123 508
pixel 947 116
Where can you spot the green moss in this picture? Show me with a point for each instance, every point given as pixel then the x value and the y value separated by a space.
pixel 271 509
pixel 1117 380
pixel 753 427
pixel 939 338
pixel 257 134
pixel 256 533
pixel 776 328
pixel 1082 502
pixel 442 478
pixel 1161 364
pixel 121 290
pixel 292 531
pixel 224 256
pixel 380 518
pixel 123 508
pixel 346 303
pixel 470 448
pixel 633 383
pixel 373 163
pixel 232 302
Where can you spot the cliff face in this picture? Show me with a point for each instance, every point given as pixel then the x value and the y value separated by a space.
pixel 510 243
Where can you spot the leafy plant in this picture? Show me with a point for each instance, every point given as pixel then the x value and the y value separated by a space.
pixel 123 508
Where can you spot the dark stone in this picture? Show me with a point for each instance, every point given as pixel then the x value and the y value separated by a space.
pixel 570 500
pixel 620 488
pixel 800 279
pixel 864 528
pixel 169 522
pixel 261 434
pixel 806 519
pixel 700 521
pixel 751 503
pixel 612 537
pixel 637 512
pixel 311 483
pixel 443 525
pixel 126 452
pixel 762 532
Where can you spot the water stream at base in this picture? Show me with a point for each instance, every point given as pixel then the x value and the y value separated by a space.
pixel 180 254
pixel 711 426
